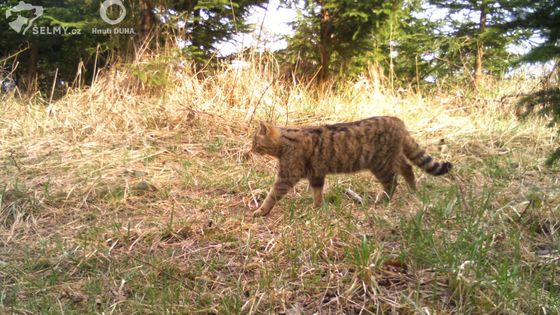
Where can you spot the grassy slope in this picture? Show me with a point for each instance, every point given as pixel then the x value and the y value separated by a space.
pixel 119 201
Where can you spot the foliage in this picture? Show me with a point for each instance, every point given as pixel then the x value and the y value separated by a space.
pixel 469 42
pixel 58 42
pixel 405 45
pixel 541 17
pixel 472 40
pixel 206 23
pixel 203 24
pixel 334 36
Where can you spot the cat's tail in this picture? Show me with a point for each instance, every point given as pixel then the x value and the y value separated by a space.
pixel 420 158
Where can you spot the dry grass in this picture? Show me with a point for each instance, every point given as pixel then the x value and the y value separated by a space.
pixel 133 196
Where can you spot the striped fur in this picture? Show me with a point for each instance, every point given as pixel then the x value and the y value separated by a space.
pixel 379 144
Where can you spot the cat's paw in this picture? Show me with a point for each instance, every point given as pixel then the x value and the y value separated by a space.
pixel 382 198
pixel 260 212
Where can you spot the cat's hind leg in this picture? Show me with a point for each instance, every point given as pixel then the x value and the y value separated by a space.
pixel 407 172
pixel 388 179
pixel 317 184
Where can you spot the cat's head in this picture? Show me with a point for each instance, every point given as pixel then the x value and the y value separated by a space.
pixel 266 140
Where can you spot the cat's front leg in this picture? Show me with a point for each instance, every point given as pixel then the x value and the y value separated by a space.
pixel 279 190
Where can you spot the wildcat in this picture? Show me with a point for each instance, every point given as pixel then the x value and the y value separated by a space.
pixel 379 144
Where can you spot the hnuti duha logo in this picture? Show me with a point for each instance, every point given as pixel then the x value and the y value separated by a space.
pixel 103 11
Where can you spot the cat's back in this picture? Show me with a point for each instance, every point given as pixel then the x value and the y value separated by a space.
pixel 370 130
pixel 369 125
pixel 345 135
pixel 350 146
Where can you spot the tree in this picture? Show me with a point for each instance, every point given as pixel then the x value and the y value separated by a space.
pixel 472 33
pixel 542 17
pixel 147 20
pixel 403 42
pixel 332 34
pixel 205 23
pixel 55 42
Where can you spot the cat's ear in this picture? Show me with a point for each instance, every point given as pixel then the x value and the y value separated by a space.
pixel 264 128
pixel 269 131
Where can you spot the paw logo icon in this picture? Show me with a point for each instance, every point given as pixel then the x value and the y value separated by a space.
pixel 22 21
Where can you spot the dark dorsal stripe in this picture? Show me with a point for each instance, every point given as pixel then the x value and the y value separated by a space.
pixel 337 128
pixel 316 131
pixel 290 138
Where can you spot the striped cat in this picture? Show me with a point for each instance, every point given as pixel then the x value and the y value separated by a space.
pixel 379 144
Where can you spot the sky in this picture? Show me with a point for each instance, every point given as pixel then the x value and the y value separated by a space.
pixel 271 24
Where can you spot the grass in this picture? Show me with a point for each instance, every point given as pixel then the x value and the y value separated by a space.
pixel 122 199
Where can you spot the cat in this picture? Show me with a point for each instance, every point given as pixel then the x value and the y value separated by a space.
pixel 381 145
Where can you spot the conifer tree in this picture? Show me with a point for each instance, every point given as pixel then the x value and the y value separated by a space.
pixel 542 17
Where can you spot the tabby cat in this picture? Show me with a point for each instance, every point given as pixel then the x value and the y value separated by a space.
pixel 379 144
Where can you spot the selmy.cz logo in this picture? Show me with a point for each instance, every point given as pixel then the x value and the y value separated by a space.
pixel 24 14
pixel 21 21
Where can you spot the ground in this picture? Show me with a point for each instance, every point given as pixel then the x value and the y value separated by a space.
pixel 118 202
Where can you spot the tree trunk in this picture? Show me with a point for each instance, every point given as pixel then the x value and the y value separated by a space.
pixel 478 73
pixel 31 75
pixel 196 30
pixel 325 42
pixel 147 20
